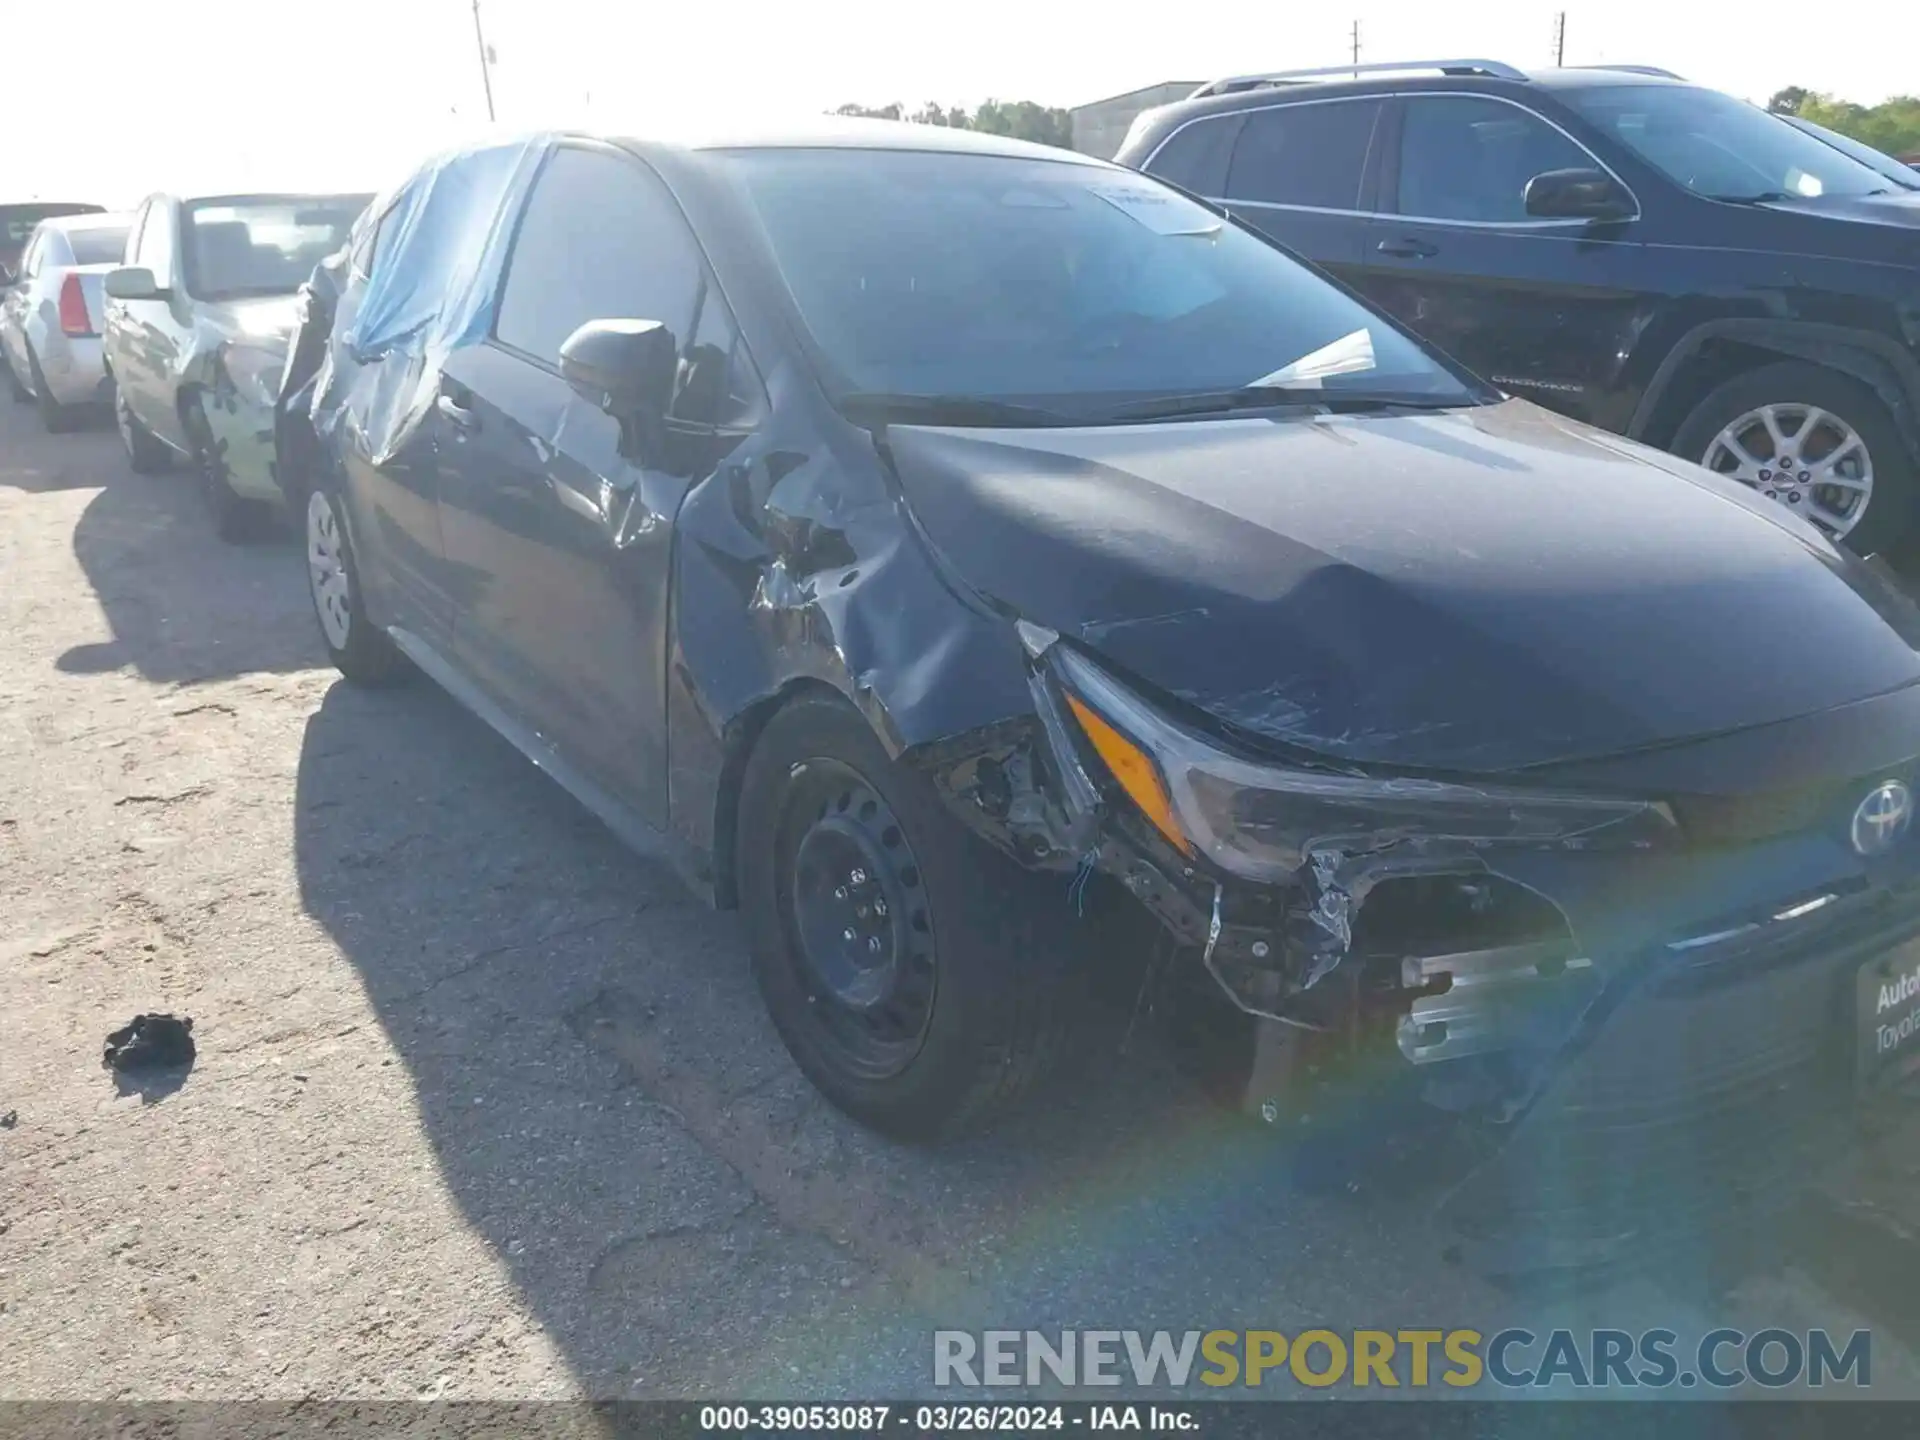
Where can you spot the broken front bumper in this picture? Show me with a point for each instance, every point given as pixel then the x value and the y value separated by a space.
pixel 1635 1034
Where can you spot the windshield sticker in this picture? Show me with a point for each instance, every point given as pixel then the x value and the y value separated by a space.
pixel 1161 212
pixel 1348 355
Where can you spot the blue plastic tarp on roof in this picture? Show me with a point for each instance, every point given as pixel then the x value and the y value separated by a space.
pixel 433 286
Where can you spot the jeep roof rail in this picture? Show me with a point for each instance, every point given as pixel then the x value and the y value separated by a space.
pixel 1639 70
pixel 1493 68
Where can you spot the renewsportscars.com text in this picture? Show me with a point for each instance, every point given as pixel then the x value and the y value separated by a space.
pixel 1393 1359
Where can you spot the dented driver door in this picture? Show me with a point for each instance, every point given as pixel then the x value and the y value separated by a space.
pixel 560 536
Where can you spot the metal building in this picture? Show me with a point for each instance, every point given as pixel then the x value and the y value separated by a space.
pixel 1099 127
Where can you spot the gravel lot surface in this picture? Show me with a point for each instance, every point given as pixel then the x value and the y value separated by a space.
pixel 487 1107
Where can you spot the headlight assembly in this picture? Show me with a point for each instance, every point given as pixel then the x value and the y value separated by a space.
pixel 1261 821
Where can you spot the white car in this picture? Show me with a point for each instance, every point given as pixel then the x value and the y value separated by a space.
pixel 50 320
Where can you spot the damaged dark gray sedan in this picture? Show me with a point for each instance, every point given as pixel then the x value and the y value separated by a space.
pixel 906 529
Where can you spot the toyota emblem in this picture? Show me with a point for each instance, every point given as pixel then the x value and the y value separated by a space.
pixel 1882 818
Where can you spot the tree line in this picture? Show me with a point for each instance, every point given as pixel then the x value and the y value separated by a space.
pixel 1021 119
pixel 1892 127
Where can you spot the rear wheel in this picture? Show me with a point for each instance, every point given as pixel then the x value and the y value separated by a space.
pixel 145 454
pixel 910 968
pixel 359 649
pixel 1815 441
pixel 57 418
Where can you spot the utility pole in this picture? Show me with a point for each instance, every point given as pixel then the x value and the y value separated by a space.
pixel 480 39
pixel 1560 38
pixel 1356 47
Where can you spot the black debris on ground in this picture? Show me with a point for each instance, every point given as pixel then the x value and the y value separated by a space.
pixel 151 1042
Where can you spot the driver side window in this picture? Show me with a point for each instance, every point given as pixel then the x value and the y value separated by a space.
pixel 603 239
pixel 1468 158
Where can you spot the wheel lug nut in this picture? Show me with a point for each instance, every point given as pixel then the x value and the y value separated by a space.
pixel 857 877
pixel 874 944
pixel 847 934
pixel 879 907
pixel 840 893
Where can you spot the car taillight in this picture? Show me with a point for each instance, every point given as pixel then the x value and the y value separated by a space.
pixel 74 319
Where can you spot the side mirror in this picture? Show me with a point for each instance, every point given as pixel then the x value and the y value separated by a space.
pixel 626 367
pixel 133 282
pixel 1578 195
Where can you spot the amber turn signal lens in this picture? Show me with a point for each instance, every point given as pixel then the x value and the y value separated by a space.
pixel 1134 769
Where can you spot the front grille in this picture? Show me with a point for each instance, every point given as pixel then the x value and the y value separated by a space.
pixel 1738 819
pixel 1708 1087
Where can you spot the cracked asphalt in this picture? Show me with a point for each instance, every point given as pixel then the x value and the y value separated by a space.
pixel 486 1107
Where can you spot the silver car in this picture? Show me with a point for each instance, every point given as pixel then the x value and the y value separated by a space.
pixel 197 327
pixel 50 320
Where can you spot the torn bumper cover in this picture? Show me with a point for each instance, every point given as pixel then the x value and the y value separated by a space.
pixel 1630 1014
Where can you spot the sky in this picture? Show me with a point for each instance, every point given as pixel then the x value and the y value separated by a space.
pixel 349 94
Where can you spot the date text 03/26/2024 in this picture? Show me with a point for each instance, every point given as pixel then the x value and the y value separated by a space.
pixel 946 1418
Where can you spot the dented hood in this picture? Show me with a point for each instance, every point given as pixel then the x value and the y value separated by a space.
pixel 1472 590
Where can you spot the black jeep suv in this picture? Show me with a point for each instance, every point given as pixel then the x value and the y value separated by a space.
pixel 1643 254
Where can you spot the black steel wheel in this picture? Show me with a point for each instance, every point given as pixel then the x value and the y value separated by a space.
pixel 914 972
pixel 854 909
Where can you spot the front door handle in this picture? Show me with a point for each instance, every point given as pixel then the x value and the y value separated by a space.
pixel 1407 248
pixel 457 415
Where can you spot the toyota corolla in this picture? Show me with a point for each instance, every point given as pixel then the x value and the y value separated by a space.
pixel 908 531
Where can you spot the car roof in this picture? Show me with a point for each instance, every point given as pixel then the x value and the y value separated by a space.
pixel 1257 91
pixel 240 197
pixel 846 132
pixel 92 220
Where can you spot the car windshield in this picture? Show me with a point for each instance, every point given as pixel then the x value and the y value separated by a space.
pixel 263 246
pixel 1056 284
pixel 98 244
pixel 1721 147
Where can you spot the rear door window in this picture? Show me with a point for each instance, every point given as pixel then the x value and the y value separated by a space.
pixel 1310 155
pixel 1195 157
pixel 1463 157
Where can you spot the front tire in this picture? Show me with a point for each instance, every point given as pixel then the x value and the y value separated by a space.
pixel 20 393
pixel 359 649
pixel 236 519
pixel 910 968
pixel 1817 441
pixel 145 454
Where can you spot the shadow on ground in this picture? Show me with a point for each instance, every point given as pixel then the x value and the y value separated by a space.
pixel 169 587
pixel 40 463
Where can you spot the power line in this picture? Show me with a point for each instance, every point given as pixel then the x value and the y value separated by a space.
pixel 480 39
pixel 1560 38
